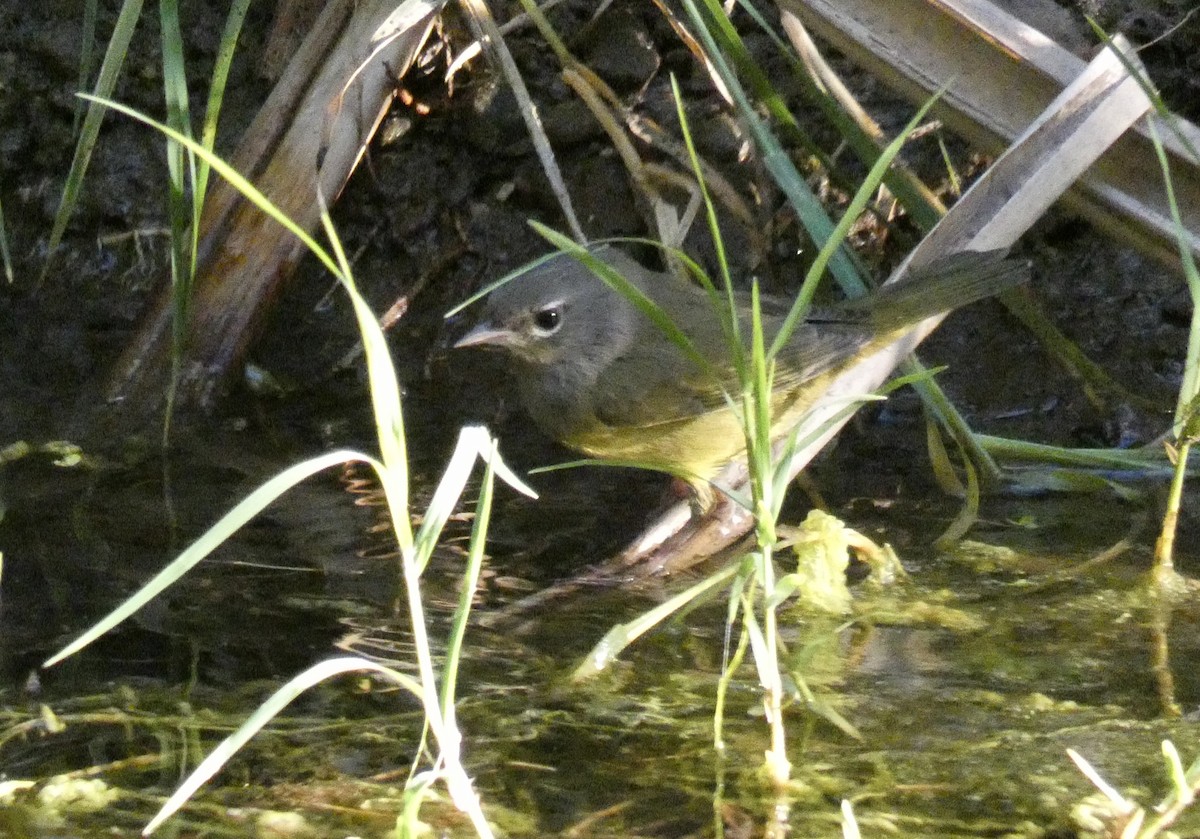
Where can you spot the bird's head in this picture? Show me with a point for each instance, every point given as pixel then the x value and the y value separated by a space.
pixel 557 312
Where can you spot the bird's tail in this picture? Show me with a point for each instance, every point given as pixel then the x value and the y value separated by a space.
pixel 945 284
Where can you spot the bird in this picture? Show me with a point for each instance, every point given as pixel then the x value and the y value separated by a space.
pixel 597 373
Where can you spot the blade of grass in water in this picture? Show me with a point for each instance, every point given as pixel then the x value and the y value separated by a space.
pixel 474 443
pixel 755 368
pixel 215 536
pixel 620 636
pixel 393 474
pixel 250 507
pixel 188 177
pixel 470 584
pixel 266 712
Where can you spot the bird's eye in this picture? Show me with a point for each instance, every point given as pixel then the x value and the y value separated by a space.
pixel 548 320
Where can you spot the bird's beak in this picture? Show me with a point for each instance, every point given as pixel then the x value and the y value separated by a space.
pixel 485 334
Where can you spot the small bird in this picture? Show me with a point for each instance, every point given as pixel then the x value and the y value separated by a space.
pixel 597 374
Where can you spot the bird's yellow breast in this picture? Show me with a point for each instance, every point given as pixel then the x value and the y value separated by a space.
pixel 694 447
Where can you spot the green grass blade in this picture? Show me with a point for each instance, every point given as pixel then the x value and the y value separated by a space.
pixel 781 476
pixel 385 393
pixel 87 54
pixel 474 443
pixel 492 457
pixel 393 473
pixel 180 171
pixel 775 159
pixel 852 402
pixel 730 321
pixel 710 207
pixel 110 69
pixel 828 251
pixel 1138 74
pixel 936 400
pixel 505 280
pixel 918 200
pixel 967 516
pixel 1181 789
pixel 468 586
pixel 252 193
pixel 760 651
pixel 1191 374
pixel 1148 459
pixel 939 460
pixel 732 45
pixel 624 634
pixel 247 509
pixel 263 715
pixel 757 417
pixel 216 97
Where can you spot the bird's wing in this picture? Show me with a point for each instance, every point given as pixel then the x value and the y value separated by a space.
pixel 658 384
pixel 819 346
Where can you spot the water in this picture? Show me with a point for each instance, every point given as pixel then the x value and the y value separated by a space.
pixel 966 684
